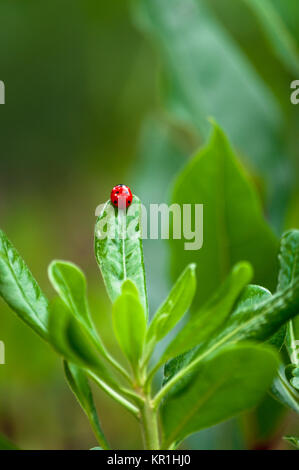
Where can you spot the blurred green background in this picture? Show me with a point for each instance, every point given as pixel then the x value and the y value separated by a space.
pixel 100 93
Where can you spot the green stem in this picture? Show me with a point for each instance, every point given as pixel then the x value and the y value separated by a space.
pixel 118 367
pixel 149 422
pixel 115 395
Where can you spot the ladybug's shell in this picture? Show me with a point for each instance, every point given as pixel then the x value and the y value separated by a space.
pixel 121 196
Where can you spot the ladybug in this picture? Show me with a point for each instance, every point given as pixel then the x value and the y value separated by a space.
pixel 121 196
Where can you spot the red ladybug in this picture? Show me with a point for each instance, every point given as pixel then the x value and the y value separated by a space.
pixel 121 196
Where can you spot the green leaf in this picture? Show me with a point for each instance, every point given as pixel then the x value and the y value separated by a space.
pixel 202 325
pixel 293 440
pixel 129 323
pixel 251 295
pixel 209 75
pixel 284 386
pixel 20 290
pixel 70 340
pixel 118 249
pixel 260 321
pixel 283 43
pixel 229 382
pixel 295 379
pixel 78 383
pixel 234 228
pixel 6 444
pixel 70 283
pixel 257 322
pixel 283 391
pixel 289 271
pixel 175 306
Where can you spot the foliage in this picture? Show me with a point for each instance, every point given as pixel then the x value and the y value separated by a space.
pixel 223 359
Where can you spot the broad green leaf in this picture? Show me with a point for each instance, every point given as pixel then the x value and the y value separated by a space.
pixel 293 440
pixel 289 271
pixel 20 290
pixel 231 381
pixel 118 249
pixel 175 306
pixel 70 283
pixel 282 41
pixel 70 339
pixel 257 322
pixel 234 228
pixel 203 324
pixel 78 383
pixel 6 444
pixel 129 323
pixel 209 75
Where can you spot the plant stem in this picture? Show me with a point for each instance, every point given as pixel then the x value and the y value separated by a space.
pixel 115 395
pixel 149 422
pixel 118 367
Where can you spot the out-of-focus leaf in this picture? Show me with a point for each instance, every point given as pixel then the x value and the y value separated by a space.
pixel 209 75
pixel 20 290
pixel 175 306
pixel 78 383
pixel 229 382
pixel 203 324
pixel 129 323
pixel 6 444
pixel 162 152
pixel 284 45
pixel 293 440
pixel 234 228
pixel 70 283
pixel 118 249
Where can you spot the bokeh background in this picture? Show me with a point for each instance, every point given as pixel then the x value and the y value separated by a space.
pixel 100 93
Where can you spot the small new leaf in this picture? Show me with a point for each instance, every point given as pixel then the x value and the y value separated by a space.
pixel 129 323
pixel 175 306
